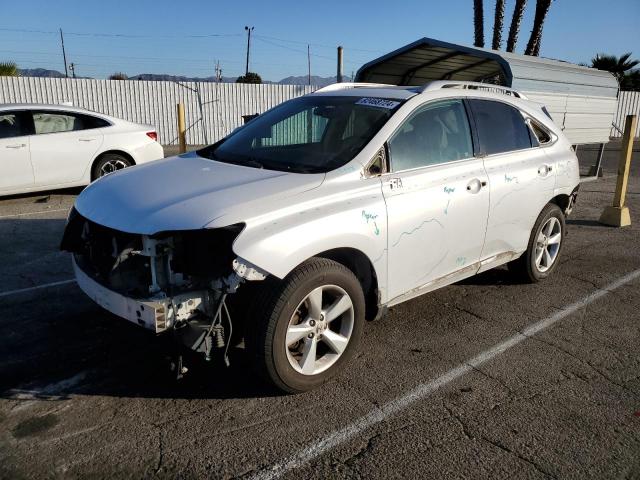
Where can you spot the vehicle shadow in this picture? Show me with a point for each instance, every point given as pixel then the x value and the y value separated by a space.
pixel 55 342
pixel 496 276
pixel 586 223
pixel 43 196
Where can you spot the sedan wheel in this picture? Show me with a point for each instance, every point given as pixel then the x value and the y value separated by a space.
pixel 112 166
pixel 109 163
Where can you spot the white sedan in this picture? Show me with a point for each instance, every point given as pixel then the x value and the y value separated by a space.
pixel 44 147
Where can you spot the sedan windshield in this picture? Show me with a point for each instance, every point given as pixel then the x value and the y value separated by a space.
pixel 309 134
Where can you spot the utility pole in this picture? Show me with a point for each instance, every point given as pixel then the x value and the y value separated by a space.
pixel 64 55
pixel 248 47
pixel 309 64
pixel 218 72
pixel 72 67
pixel 339 75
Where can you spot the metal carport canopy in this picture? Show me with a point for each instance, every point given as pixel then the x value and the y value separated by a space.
pixel 428 59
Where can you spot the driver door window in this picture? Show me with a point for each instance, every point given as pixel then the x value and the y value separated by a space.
pixel 436 134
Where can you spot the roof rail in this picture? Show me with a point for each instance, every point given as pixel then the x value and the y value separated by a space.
pixel 347 85
pixel 440 84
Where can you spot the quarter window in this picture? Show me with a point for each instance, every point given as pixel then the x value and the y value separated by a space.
pixel 437 133
pixel 12 125
pixel 501 127
pixel 541 136
pixel 57 122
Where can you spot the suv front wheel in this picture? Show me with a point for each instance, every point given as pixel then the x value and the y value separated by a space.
pixel 545 245
pixel 305 328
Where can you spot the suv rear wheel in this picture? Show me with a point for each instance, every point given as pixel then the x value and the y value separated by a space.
pixel 305 328
pixel 545 245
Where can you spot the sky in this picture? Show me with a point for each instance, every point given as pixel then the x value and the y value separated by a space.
pixel 188 37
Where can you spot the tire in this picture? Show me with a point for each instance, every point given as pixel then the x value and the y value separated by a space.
pixel 109 163
pixel 277 350
pixel 534 264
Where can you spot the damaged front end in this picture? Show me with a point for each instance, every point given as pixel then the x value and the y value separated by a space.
pixel 170 281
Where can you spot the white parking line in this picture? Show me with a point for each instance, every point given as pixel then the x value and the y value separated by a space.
pixel 37 287
pixel 35 213
pixel 321 446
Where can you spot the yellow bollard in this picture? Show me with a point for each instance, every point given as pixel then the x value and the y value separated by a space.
pixel 617 215
pixel 182 129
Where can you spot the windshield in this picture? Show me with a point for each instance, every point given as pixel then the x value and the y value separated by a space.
pixel 309 134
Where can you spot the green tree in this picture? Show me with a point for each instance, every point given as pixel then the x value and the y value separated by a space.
pixel 118 76
pixel 516 20
pixel 542 9
pixel 8 69
pixel 631 81
pixel 478 24
pixel 621 66
pixel 250 77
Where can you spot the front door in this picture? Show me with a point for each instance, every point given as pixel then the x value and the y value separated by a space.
pixel 437 198
pixel 15 165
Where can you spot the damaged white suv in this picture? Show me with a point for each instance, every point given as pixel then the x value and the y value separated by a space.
pixel 322 212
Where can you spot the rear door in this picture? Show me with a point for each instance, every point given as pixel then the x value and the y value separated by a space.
pixel 15 164
pixel 521 177
pixel 437 198
pixel 63 145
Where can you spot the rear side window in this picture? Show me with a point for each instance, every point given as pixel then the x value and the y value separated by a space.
pixel 57 122
pixel 12 124
pixel 501 127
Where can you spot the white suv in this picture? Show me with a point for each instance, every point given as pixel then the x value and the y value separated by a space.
pixel 286 235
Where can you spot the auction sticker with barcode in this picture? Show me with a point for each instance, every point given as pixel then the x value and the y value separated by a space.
pixel 378 102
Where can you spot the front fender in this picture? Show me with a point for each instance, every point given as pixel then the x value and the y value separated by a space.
pixel 278 243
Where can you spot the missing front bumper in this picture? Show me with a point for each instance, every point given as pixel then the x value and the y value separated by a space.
pixel 156 314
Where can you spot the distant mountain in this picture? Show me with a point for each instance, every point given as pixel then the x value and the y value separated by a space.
pixel 157 77
pixel 315 80
pixel 40 72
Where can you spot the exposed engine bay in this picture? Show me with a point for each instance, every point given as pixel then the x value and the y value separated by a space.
pixel 171 281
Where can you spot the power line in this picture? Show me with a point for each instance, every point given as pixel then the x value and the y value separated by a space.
pixel 121 35
pixel 318 44
pixel 206 35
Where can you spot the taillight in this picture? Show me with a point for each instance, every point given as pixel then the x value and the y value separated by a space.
pixel 152 136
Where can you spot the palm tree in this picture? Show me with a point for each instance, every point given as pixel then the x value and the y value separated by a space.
pixel 8 69
pixel 516 19
pixel 478 23
pixel 542 8
pixel 498 20
pixel 618 66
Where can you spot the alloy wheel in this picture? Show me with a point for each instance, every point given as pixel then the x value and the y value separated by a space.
pixel 319 330
pixel 548 244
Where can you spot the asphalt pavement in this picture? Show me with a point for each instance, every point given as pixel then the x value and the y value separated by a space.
pixel 487 378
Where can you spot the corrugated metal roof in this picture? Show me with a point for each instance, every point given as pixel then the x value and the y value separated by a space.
pixel 429 59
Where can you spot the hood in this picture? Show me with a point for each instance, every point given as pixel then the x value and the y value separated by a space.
pixel 186 193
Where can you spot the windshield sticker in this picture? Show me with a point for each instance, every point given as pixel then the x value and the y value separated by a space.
pixel 378 102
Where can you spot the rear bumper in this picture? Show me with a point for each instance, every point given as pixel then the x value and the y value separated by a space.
pixel 149 152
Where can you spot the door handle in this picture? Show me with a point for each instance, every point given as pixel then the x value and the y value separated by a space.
pixel 543 170
pixel 21 145
pixel 475 185
pixel 86 139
